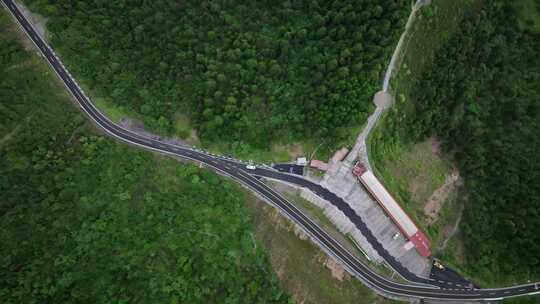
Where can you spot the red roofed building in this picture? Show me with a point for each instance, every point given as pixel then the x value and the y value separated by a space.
pixel 393 209
pixel 421 243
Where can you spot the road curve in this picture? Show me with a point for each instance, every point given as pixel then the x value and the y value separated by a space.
pixel 344 207
pixel 244 177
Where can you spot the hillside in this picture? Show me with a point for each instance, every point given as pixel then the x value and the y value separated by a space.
pixel 85 219
pixel 242 74
pixel 479 96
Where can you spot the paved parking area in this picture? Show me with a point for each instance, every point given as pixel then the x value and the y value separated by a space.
pixel 289 168
pixel 341 181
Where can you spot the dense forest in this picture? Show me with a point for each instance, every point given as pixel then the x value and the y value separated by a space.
pixel 481 96
pixel 245 71
pixel 86 220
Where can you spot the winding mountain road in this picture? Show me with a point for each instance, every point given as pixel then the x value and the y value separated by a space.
pixel 418 288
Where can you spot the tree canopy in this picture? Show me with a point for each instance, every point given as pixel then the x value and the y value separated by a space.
pixel 248 71
pixel 86 220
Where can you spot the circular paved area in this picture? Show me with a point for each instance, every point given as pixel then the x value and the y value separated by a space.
pixel 383 99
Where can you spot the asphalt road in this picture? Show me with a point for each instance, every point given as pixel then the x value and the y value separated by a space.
pixel 249 178
pixel 454 281
pixel 289 168
pixel 450 275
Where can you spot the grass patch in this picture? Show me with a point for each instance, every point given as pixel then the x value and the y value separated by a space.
pixel 317 214
pixel 412 173
pixel 278 151
pixel 449 214
pixel 184 129
pixel 113 112
pixel 418 167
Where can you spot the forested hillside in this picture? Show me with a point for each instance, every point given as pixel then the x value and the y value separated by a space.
pixel 249 71
pixel 481 96
pixel 86 220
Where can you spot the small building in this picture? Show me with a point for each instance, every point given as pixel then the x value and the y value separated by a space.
pixel 301 161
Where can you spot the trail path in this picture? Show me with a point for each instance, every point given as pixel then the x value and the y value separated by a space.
pixel 397 51
pixel 383 99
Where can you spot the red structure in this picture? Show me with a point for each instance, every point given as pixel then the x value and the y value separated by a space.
pixel 421 243
pixel 393 209
pixel 358 169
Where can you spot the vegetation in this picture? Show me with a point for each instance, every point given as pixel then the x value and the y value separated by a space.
pixel 480 95
pixel 317 215
pixel 414 170
pixel 248 73
pixel 86 220
pixel 414 173
pixel 529 14
pixel 300 265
